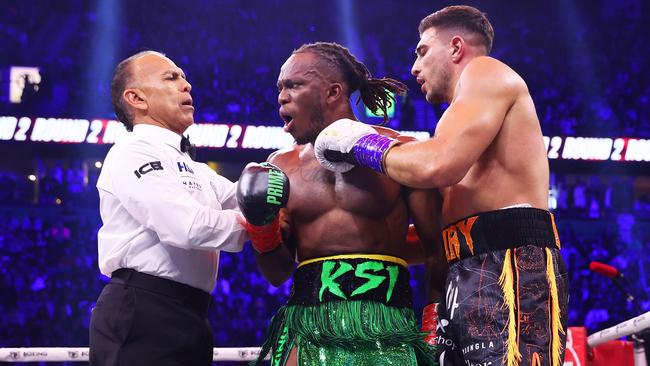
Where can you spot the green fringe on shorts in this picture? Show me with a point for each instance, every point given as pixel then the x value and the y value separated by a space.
pixel 347 330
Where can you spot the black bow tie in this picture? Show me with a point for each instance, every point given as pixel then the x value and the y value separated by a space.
pixel 188 147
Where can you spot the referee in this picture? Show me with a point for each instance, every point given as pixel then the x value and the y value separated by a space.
pixel 165 220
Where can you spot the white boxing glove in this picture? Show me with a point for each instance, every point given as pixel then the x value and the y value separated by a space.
pixel 338 139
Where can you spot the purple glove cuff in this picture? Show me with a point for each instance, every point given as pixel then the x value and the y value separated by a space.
pixel 369 151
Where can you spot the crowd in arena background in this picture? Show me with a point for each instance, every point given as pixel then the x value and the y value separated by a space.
pixel 50 278
pixel 232 53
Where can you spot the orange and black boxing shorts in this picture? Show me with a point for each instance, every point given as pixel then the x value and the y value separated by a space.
pixel 506 292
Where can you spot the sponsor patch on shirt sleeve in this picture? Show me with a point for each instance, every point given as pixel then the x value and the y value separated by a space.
pixel 148 167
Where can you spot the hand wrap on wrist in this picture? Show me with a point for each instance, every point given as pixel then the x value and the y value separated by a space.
pixel 264 238
pixel 370 151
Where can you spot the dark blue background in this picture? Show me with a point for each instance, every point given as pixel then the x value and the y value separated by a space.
pixel 584 62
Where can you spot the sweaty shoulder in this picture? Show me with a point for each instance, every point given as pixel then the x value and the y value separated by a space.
pixel 487 75
pixel 284 156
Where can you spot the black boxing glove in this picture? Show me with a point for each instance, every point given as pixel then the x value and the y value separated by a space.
pixel 262 190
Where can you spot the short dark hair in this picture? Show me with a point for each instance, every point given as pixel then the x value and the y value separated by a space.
pixel 121 80
pixel 374 91
pixel 462 17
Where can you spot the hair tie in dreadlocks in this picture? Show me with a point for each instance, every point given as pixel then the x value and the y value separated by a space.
pixel 374 92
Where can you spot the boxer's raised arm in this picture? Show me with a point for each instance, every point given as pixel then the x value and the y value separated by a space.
pixel 486 91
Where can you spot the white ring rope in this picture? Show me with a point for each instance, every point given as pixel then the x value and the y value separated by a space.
pixel 626 328
pixel 58 354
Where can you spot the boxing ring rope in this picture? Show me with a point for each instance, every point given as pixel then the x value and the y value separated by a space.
pixel 80 354
pixel 626 328
pixel 632 326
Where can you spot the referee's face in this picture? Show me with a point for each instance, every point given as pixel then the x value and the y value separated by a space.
pixel 166 92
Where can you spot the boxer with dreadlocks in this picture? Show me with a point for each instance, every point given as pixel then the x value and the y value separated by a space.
pixel 351 300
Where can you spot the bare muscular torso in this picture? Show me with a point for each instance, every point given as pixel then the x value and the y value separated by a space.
pixel 333 213
pixel 512 170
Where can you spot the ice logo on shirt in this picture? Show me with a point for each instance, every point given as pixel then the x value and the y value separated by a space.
pixel 148 167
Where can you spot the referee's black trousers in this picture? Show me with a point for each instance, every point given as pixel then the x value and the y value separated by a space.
pixel 145 320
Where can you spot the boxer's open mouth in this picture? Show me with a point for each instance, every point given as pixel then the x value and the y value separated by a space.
pixel 287 120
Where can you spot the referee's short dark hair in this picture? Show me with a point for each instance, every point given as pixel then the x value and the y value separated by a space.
pixel 122 78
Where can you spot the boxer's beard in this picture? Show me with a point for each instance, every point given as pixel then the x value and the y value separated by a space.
pixel 438 93
pixel 316 124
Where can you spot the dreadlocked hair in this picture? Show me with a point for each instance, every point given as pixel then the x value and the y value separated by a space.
pixel 374 92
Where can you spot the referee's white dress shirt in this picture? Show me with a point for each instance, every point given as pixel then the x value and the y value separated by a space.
pixel 164 214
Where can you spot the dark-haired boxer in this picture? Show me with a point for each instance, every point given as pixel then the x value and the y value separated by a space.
pixel 506 292
pixel 351 300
